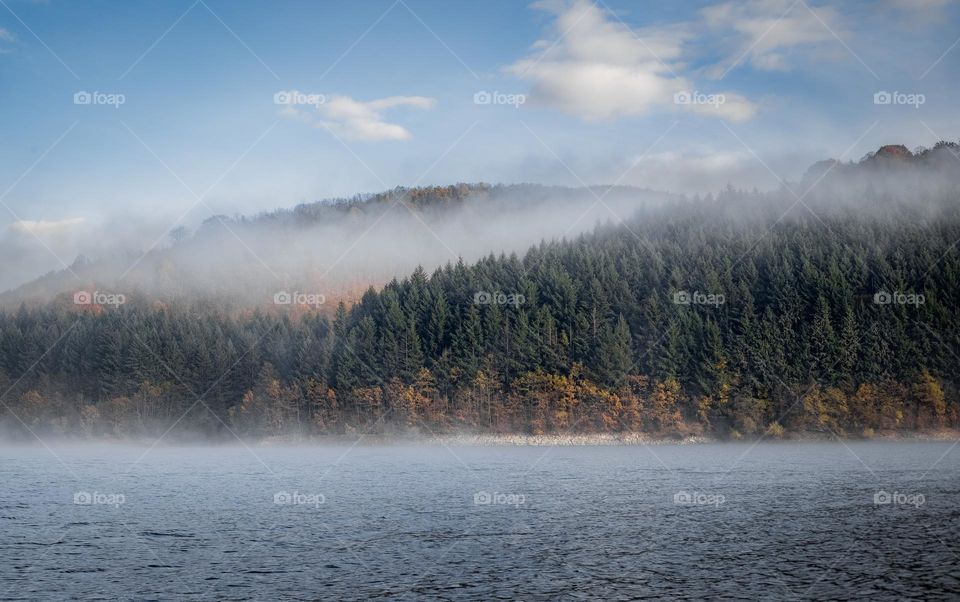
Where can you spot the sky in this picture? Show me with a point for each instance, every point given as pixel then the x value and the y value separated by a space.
pixel 123 113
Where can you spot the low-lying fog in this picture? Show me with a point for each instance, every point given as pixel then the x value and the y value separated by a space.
pixel 336 250
pixel 336 255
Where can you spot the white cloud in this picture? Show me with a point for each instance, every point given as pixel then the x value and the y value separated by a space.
pixel 43 228
pixel 360 120
pixel 598 68
pixel 764 31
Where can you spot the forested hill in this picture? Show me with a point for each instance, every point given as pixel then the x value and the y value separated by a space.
pixel 338 247
pixel 735 315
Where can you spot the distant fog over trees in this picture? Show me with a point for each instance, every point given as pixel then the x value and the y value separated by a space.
pixel 827 306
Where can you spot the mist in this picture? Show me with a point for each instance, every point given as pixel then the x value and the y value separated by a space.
pixel 331 251
pixel 335 250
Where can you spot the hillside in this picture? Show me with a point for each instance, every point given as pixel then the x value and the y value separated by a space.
pixel 731 315
pixel 338 248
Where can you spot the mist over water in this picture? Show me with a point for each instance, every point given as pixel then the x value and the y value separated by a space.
pixel 660 355
pixel 412 522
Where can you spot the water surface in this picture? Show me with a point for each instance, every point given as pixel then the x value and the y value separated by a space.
pixel 732 521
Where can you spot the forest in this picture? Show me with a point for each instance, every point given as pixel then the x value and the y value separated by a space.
pixel 734 315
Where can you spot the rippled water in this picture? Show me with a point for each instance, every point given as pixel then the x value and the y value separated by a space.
pixel 775 521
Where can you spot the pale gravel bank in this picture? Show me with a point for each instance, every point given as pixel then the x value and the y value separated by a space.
pixel 564 440
pixel 491 440
pixel 597 439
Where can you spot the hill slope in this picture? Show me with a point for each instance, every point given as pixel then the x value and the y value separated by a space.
pixel 339 248
pixel 730 315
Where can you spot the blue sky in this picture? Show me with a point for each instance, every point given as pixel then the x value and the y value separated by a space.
pixel 773 85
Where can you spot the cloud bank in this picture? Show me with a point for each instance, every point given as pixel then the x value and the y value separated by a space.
pixel 598 68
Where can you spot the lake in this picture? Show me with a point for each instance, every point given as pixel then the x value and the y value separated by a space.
pixel 876 520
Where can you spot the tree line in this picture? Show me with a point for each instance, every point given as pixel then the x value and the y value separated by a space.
pixel 732 315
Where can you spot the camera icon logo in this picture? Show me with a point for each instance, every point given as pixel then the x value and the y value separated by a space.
pixel 682 98
pixel 482 298
pixel 282 498
pixel 882 298
pixel 882 497
pixel 482 98
pixel 482 498
pixel 283 298
pixel 882 98
pixel 82 498
pixel 682 498
pixel 82 298
pixel 82 98
pixel 283 98
pixel 681 298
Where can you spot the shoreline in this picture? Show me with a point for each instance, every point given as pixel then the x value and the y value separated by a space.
pixel 596 439
pixel 499 439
